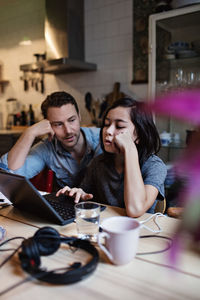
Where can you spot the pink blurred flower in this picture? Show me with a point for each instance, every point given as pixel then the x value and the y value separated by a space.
pixel 185 105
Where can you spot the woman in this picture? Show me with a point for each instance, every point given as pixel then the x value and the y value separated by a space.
pixel 128 174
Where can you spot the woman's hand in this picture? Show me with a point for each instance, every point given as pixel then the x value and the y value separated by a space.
pixel 124 141
pixel 76 193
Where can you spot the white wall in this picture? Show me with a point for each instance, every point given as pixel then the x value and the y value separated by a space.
pixel 108 43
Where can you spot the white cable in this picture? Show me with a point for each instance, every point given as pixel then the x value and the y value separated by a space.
pixel 2 233
pixel 154 216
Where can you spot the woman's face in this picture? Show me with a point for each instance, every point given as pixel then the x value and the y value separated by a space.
pixel 117 121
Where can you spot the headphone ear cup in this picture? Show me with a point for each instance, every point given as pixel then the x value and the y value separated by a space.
pixel 48 240
pixel 29 254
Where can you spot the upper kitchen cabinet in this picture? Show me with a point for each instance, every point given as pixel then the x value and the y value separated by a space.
pixel 174 57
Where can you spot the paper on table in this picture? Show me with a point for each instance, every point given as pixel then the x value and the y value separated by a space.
pixel 8 201
pixel 4 198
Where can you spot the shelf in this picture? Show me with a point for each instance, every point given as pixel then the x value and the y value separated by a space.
pixel 175 146
pixel 177 62
pixel 2 85
pixel 177 25
pixel 178 18
pixel 171 152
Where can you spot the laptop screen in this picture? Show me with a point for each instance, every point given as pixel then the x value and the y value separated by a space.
pixel 23 195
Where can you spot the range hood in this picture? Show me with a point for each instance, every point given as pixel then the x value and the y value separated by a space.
pixel 64 38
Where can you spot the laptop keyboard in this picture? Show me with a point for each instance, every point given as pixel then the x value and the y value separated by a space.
pixel 63 205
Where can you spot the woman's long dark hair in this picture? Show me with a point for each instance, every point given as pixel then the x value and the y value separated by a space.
pixel 148 137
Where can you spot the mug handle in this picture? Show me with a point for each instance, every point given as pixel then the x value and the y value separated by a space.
pixel 103 248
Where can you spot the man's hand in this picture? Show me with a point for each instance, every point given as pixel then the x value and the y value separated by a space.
pixel 41 128
pixel 77 193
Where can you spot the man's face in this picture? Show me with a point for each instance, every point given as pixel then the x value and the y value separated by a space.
pixel 65 122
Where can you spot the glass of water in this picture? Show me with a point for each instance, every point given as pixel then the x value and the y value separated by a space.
pixel 87 215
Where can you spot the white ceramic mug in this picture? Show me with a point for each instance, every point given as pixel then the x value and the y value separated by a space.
pixel 121 238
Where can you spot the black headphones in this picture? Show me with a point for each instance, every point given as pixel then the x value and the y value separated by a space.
pixel 46 241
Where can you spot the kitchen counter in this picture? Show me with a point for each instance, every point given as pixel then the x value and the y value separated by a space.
pixel 13 130
pixel 10 131
pixel 8 138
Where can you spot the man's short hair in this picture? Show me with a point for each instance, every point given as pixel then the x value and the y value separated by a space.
pixel 57 99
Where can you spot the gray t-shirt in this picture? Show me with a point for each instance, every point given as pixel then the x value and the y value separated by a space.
pixel 107 185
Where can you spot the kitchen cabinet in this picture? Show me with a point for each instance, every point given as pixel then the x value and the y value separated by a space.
pixel 174 59
pixel 8 137
pixel 7 140
pixel 171 152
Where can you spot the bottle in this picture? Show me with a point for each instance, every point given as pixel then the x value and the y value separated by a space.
pixel 23 117
pixel 1 117
pixel 30 116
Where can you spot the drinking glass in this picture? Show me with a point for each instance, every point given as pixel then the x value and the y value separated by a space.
pixel 87 216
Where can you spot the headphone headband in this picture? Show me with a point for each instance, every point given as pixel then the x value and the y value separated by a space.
pixel 47 241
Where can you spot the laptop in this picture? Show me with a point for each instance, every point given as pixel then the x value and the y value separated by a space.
pixel 24 196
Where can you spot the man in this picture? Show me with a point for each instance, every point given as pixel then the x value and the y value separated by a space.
pixel 67 150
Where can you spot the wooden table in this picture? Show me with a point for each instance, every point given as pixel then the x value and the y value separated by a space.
pixel 146 277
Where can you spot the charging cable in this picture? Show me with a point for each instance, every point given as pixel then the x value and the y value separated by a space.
pixel 168 239
pixel 154 217
pixel 2 233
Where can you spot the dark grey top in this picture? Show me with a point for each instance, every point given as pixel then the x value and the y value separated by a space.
pixel 107 185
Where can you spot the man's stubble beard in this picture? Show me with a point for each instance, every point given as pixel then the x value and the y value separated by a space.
pixel 70 148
